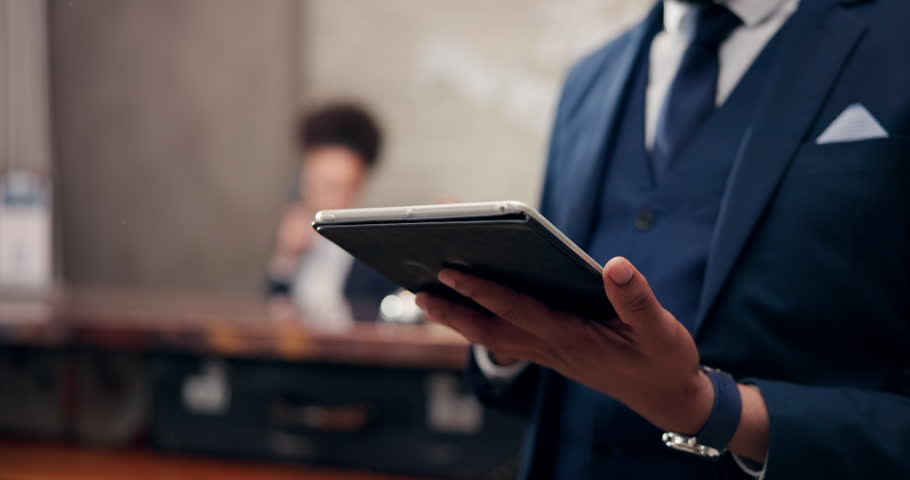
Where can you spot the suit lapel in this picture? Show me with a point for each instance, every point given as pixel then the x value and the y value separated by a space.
pixel 597 121
pixel 823 35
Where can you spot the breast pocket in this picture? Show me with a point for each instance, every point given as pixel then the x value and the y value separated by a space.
pixel 873 154
pixel 833 245
pixel 847 195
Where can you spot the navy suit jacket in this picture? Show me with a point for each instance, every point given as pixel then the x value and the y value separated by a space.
pixel 807 289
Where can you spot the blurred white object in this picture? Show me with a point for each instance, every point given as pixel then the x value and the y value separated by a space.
pixel 319 287
pixel 25 226
pixel 25 232
pixel 400 307
pixel 208 392
pixel 449 410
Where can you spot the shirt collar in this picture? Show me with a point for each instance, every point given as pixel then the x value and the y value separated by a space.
pixel 751 12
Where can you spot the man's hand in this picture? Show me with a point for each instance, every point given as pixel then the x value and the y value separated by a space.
pixel 643 357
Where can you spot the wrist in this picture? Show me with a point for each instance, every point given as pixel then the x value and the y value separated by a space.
pixel 731 415
pixel 696 402
pixel 751 438
pixel 685 409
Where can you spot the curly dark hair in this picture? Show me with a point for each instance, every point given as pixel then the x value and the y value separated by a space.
pixel 344 124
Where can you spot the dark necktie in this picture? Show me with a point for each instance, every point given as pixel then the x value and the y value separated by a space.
pixel 692 95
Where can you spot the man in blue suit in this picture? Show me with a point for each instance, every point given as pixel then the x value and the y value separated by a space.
pixel 751 160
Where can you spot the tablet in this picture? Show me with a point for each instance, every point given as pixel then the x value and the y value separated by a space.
pixel 507 242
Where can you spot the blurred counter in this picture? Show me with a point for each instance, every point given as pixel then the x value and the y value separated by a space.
pixel 122 321
pixel 229 378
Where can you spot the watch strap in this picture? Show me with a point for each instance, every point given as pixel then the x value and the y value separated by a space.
pixel 725 412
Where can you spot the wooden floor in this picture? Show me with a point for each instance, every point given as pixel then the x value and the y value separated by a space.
pixel 43 461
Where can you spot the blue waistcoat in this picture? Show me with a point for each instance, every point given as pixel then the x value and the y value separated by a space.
pixel 664 227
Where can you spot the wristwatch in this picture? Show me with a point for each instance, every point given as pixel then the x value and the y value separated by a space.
pixel 714 437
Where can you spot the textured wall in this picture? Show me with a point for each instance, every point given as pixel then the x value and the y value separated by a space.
pixel 466 87
pixel 172 146
pixel 171 117
pixel 23 86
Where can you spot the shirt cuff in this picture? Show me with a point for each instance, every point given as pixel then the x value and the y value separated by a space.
pixel 755 472
pixel 494 372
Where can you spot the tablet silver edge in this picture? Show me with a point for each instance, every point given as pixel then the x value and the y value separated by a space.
pixel 449 210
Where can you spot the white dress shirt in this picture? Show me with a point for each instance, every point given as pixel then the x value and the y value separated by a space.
pixel 761 19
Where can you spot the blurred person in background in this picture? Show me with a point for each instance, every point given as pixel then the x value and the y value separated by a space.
pixel 749 160
pixel 340 145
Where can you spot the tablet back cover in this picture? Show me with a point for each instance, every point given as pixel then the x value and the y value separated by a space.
pixel 516 252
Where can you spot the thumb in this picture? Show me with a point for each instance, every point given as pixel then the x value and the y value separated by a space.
pixel 631 296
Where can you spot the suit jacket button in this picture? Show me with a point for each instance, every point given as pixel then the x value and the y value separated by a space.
pixel 644 221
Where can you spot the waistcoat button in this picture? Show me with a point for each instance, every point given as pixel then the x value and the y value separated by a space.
pixel 645 220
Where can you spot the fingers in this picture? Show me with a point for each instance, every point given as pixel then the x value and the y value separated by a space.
pixel 493 333
pixel 631 296
pixel 466 321
pixel 519 310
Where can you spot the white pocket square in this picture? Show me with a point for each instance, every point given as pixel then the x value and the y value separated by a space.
pixel 853 124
